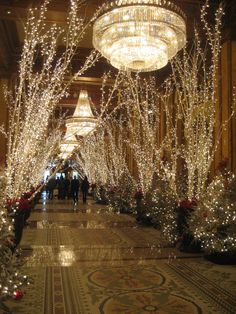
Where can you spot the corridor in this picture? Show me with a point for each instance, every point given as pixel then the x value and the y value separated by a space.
pixel 87 260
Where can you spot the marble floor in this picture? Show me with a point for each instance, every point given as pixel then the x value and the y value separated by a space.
pixel 88 260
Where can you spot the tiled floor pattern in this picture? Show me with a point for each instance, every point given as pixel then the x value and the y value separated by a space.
pixel 86 260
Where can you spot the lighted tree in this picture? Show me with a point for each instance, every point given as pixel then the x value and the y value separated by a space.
pixel 213 221
pixel 91 158
pixel 193 83
pixel 10 278
pixel 45 157
pixel 192 120
pixel 102 153
pixel 142 118
pixel 40 85
pixel 39 89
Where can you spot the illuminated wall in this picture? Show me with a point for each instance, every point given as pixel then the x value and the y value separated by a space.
pixel 227 80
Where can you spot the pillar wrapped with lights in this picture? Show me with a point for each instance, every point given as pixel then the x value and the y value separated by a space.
pixel 139 35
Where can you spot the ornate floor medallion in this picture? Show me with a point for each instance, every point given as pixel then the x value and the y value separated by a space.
pixel 148 302
pixel 126 278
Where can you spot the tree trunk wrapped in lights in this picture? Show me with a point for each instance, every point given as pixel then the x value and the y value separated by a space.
pixel 45 157
pixel 143 126
pixel 102 157
pixel 37 91
pixel 195 81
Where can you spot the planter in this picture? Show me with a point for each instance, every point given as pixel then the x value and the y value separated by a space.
pixel 222 258
pixel 27 215
pixel 139 208
pixel 141 213
pixel 188 244
pixel 19 221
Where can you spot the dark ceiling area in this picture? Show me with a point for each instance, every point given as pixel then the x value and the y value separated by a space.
pixel 13 14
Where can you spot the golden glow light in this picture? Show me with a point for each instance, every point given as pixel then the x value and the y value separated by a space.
pixel 68 144
pixel 139 35
pixel 83 121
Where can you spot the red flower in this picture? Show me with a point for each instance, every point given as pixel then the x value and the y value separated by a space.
pixel 188 204
pixel 24 204
pixel 27 194
pixel 139 194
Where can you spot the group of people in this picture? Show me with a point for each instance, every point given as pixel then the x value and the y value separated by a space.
pixel 68 188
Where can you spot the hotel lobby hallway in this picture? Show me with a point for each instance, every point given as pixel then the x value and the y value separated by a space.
pixel 87 260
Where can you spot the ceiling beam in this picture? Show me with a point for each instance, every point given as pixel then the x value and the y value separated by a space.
pixel 53 15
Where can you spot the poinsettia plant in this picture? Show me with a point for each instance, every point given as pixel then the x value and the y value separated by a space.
pixel 20 204
pixel 188 204
pixel 139 194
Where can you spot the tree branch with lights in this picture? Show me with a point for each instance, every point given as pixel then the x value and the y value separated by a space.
pixel 38 89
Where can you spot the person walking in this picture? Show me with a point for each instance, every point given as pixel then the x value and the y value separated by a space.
pixel 85 188
pixel 67 187
pixel 61 188
pixel 51 185
pixel 74 187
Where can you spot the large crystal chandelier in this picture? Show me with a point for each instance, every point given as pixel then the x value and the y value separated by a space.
pixel 139 35
pixel 83 121
pixel 68 144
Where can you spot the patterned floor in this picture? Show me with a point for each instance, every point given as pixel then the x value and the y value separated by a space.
pixel 86 260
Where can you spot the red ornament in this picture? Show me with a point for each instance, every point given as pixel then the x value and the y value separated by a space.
pixel 17 295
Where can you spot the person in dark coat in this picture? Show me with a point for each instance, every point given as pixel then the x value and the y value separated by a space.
pixel 61 188
pixel 51 185
pixel 85 188
pixel 74 186
pixel 67 187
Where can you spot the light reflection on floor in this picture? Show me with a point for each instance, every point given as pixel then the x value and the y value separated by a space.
pixel 57 215
pixel 92 224
pixel 85 256
pixel 69 255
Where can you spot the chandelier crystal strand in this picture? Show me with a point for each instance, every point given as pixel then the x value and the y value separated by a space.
pixel 79 125
pixel 83 121
pixel 68 144
pixel 139 35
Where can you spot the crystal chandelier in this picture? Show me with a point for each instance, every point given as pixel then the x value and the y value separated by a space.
pixel 68 144
pixel 83 121
pixel 139 35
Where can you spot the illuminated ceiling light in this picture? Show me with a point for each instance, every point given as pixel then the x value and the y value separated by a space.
pixel 68 144
pixel 66 149
pixel 139 35
pixel 83 121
